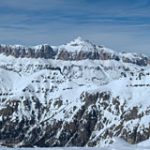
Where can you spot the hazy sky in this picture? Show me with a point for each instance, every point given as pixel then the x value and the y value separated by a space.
pixel 123 25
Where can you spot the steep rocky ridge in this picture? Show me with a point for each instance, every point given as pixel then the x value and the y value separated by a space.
pixel 42 51
pixel 77 49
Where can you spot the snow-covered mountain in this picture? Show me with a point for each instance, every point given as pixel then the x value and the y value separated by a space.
pixel 77 94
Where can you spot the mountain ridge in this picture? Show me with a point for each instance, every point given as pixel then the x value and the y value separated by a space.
pixel 78 49
pixel 73 99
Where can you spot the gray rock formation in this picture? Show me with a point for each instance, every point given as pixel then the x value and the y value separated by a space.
pixel 45 51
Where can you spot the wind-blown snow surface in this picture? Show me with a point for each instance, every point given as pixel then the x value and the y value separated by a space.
pixel 117 145
pixel 39 92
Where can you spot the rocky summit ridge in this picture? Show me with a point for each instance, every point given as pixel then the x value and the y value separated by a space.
pixel 78 49
pixel 76 94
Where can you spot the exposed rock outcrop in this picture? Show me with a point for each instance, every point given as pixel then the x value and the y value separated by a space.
pixel 79 131
pixel 43 51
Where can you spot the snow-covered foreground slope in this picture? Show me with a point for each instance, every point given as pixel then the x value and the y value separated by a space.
pixel 84 95
pixel 117 145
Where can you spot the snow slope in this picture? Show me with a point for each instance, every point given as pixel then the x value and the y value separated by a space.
pixel 117 145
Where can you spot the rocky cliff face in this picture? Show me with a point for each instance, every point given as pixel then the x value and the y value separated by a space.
pixel 42 51
pixel 70 100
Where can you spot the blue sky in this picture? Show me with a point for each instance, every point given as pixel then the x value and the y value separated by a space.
pixel 123 25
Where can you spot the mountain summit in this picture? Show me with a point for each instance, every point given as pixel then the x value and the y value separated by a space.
pixel 78 40
pixel 76 94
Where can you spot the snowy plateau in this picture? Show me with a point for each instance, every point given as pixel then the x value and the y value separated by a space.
pixel 74 95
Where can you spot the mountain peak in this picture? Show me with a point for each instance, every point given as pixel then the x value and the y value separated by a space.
pixel 77 41
pixel 78 45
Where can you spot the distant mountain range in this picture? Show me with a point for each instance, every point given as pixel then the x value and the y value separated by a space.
pixel 76 94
